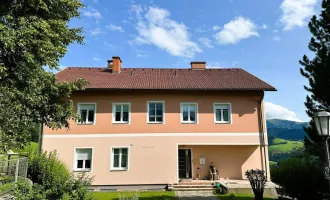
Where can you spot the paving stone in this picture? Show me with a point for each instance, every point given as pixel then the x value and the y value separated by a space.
pixel 195 195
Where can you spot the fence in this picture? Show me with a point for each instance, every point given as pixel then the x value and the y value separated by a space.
pixel 13 170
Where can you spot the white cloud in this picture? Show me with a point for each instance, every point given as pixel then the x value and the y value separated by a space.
pixel 206 42
pixel 96 59
pixel 113 27
pixel 215 28
pixel 275 31
pixel 296 13
pixel 93 13
pixel 96 31
pixel 264 26
pixel 155 27
pixel 276 38
pixel 213 65
pixel 236 30
pixel 279 112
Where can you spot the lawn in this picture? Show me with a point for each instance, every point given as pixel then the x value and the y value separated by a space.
pixel 281 148
pixel 154 195
pixel 239 197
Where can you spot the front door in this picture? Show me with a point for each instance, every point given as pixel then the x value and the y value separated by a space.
pixel 185 163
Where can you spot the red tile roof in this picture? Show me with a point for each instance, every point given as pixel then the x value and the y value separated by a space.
pixel 165 79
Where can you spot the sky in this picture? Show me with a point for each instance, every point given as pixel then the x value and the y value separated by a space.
pixel 265 38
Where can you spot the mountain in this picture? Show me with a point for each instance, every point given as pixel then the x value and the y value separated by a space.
pixel 285 129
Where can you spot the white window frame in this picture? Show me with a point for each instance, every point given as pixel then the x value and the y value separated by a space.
pixel 112 158
pixel 75 169
pixel 163 102
pixel 78 111
pixel 181 113
pixel 114 112
pixel 229 111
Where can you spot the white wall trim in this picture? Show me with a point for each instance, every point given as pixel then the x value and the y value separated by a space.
pixel 150 135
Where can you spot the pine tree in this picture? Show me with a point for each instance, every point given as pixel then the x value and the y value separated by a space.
pixel 317 71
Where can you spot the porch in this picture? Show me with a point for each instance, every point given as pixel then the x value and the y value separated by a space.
pixel 218 162
pixel 233 186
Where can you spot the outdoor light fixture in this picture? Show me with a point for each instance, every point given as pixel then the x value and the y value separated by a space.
pixel 322 122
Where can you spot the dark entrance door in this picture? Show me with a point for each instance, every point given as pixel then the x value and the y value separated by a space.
pixel 185 163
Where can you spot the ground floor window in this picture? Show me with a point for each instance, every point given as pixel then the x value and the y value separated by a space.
pixel 120 158
pixel 83 159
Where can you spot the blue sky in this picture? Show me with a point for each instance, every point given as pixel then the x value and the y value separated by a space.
pixel 266 38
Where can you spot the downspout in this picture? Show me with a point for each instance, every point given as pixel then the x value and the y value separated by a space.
pixel 262 130
pixel 41 135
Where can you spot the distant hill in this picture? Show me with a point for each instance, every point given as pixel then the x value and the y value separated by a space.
pixel 285 129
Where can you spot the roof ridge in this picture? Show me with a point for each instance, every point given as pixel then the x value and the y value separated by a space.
pixel 153 68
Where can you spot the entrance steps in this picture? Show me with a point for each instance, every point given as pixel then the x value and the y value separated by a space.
pixel 192 186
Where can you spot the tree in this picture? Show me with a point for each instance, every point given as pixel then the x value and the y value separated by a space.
pixel 34 34
pixel 317 71
pixel 301 177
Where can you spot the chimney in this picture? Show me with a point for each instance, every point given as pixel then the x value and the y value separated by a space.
pixel 197 65
pixel 115 64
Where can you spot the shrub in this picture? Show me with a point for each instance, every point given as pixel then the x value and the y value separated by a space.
pixel 52 180
pixel 301 176
pixel 257 180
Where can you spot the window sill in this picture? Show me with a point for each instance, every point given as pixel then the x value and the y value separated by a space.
pixel 85 123
pixel 120 123
pixel 119 169
pixel 222 122
pixel 82 170
pixel 155 122
pixel 188 122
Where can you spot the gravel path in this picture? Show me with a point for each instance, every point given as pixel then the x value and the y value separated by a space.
pixel 195 195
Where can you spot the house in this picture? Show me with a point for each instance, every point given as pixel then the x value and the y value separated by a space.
pixel 152 126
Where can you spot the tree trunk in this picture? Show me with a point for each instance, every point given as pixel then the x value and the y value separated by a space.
pixel 258 196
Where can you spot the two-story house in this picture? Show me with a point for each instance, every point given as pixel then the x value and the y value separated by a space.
pixel 144 126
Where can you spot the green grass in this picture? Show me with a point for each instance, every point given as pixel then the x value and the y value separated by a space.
pixel 272 163
pixel 154 195
pixel 281 148
pixel 279 140
pixel 6 187
pixel 239 197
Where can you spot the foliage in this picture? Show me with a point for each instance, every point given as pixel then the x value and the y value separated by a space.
pixel 301 176
pixel 257 181
pixel 150 195
pixel 239 197
pixel 53 180
pixel 33 35
pixel 317 71
pixel 277 157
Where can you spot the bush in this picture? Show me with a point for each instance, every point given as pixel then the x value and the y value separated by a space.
pixel 257 180
pixel 52 180
pixel 301 176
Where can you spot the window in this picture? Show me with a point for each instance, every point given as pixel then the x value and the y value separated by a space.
pixel 87 113
pixel 189 112
pixel 121 113
pixel 120 158
pixel 83 159
pixel 156 112
pixel 222 113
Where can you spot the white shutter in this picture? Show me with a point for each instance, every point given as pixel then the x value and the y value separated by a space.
pixel 87 106
pixel 83 154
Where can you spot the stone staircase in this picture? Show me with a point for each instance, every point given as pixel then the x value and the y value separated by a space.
pixel 192 186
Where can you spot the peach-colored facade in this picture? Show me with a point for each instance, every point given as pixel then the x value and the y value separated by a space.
pixel 153 148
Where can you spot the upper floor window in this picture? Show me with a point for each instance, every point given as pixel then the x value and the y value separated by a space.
pixel 121 113
pixel 120 158
pixel 189 112
pixel 156 112
pixel 222 113
pixel 87 113
pixel 83 159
